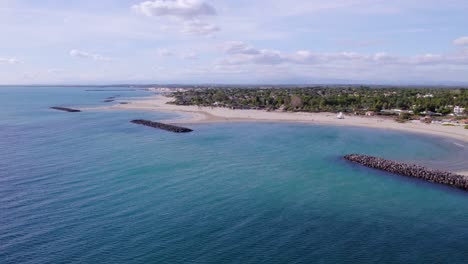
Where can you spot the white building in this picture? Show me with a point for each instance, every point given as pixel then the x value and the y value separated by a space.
pixel 458 110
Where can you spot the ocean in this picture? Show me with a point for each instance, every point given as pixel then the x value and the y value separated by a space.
pixel 91 187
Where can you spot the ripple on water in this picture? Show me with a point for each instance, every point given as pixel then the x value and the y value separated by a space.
pixel 82 190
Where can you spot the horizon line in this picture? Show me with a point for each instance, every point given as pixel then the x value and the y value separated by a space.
pixel 461 85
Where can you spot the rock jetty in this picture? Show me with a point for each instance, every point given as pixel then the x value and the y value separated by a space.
pixel 171 128
pixel 411 170
pixel 65 109
pixel 110 99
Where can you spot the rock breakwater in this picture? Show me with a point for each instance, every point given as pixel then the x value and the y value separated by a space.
pixel 65 109
pixel 411 170
pixel 167 127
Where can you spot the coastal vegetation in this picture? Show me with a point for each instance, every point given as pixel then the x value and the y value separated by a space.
pixel 407 101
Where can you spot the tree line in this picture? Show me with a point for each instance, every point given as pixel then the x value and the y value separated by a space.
pixel 328 99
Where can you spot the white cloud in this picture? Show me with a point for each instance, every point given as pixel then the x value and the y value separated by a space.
pixel 185 12
pixel 164 52
pixel 268 57
pixel 241 53
pixel 55 71
pixel 184 9
pixel 87 55
pixel 239 47
pixel 197 27
pixel 428 59
pixel 159 68
pixel 190 56
pixel 384 57
pixel 9 61
pixel 265 57
pixel 462 41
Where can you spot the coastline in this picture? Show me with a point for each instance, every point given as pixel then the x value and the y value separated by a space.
pixel 205 115
pixel 197 114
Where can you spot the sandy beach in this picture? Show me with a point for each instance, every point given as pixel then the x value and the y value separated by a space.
pixel 195 114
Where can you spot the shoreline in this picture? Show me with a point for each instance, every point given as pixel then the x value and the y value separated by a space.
pixel 207 115
pixel 197 115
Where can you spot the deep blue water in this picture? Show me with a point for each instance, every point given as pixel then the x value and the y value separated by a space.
pixel 91 187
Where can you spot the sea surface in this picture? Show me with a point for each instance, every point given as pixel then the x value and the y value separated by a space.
pixel 91 187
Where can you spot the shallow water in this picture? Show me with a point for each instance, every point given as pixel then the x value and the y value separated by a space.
pixel 91 187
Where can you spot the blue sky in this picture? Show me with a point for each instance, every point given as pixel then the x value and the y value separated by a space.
pixel 214 41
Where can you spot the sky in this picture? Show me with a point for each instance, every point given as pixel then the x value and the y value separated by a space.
pixel 234 41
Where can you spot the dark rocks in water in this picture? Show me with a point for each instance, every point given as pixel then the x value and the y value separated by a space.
pixel 163 126
pixel 123 103
pixel 111 98
pixel 65 109
pixel 411 170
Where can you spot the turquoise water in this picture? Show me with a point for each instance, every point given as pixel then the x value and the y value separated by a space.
pixel 91 187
